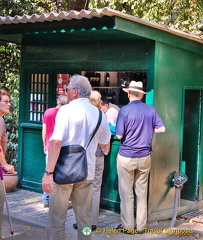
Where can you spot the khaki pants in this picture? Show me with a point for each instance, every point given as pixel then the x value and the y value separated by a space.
pixel 96 190
pixel 133 175
pixel 81 198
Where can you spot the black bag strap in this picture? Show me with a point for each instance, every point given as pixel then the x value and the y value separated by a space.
pixel 98 124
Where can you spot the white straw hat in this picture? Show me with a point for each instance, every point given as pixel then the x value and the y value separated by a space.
pixel 135 86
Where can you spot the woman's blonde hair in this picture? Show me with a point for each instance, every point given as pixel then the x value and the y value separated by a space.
pixel 95 98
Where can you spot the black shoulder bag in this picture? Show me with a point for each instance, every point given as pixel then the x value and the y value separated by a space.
pixel 71 166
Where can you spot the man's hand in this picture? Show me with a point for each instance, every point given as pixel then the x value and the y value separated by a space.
pixel 119 136
pixel 47 180
pixel 45 150
pixel 47 183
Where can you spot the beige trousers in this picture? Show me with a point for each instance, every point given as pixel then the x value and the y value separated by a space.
pixel 81 198
pixel 133 175
pixel 96 190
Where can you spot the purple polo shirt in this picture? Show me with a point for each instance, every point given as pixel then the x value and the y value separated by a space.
pixel 136 123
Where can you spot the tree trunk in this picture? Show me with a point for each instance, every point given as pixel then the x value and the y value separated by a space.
pixel 78 5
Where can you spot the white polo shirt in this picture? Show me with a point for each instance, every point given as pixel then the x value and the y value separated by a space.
pixel 75 122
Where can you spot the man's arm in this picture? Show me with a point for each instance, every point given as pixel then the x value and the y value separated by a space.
pixel 47 180
pixel 105 148
pixel 8 167
pixel 44 136
pixel 160 130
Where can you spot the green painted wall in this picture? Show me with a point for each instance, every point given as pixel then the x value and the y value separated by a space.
pixel 175 69
pixel 170 71
pixel 96 56
pixel 174 64
pixel 71 58
pixel 34 159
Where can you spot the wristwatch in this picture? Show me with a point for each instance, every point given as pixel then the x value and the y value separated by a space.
pixel 47 172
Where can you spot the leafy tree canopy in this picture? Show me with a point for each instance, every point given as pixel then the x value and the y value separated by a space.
pixel 21 7
pixel 185 15
pixel 9 68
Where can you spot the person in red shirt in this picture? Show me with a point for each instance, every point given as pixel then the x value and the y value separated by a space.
pixel 47 130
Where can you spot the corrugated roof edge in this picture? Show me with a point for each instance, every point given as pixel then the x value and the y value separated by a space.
pixel 63 15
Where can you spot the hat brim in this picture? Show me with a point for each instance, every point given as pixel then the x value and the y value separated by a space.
pixel 133 90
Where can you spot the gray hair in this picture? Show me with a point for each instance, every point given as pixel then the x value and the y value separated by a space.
pixel 82 84
pixel 136 94
pixel 62 99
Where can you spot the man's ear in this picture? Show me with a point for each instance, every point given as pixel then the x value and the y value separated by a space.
pixel 75 93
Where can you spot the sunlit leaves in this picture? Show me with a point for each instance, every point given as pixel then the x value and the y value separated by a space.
pixel 185 15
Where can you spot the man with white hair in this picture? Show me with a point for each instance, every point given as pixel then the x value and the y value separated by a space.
pixel 136 124
pixel 75 123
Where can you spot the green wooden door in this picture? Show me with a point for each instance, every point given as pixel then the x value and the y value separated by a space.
pixel 38 92
pixel 192 143
pixel 36 97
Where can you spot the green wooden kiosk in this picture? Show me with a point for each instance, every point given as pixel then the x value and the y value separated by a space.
pixel 94 43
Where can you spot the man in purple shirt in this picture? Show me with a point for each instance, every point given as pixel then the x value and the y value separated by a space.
pixel 136 124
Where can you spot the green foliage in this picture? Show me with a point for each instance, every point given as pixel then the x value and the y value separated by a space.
pixel 21 7
pixel 9 80
pixel 9 57
pixel 12 85
pixel 9 68
pixel 185 15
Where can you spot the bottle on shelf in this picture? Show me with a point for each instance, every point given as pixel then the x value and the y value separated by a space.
pixel 98 76
pixel 87 75
pixel 110 96
pixel 114 97
pixel 120 97
pixel 93 79
pixel 102 91
pixel 107 79
pixel 105 92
